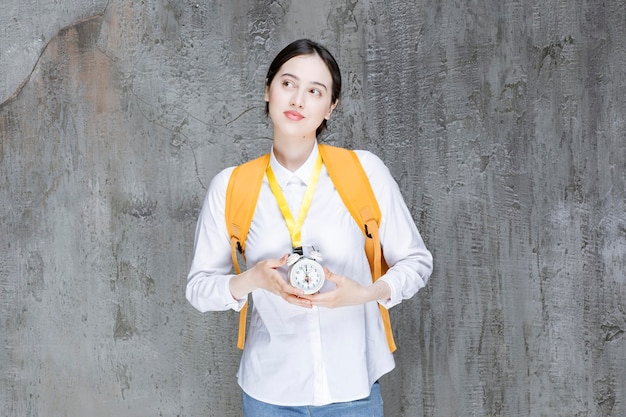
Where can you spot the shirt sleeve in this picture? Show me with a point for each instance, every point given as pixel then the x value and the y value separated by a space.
pixel 210 273
pixel 410 262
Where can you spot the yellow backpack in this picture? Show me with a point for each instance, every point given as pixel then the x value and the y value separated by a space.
pixel 350 180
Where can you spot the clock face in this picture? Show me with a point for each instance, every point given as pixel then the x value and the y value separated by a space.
pixel 307 275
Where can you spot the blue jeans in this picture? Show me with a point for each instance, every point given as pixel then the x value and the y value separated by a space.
pixel 371 406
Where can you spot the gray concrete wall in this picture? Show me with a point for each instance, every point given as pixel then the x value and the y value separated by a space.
pixel 503 122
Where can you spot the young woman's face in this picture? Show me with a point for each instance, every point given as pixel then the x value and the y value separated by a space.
pixel 300 96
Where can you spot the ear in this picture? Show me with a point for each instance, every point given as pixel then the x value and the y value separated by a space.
pixel 330 110
pixel 267 93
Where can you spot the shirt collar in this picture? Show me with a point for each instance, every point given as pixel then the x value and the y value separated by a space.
pixel 283 175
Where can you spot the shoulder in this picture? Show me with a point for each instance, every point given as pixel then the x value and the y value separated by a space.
pixel 380 177
pixel 241 178
pixel 371 163
pixel 221 179
pixel 224 176
pixel 215 197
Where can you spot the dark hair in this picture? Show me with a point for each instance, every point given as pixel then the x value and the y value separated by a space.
pixel 306 47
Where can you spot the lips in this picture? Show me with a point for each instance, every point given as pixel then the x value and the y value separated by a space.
pixel 293 115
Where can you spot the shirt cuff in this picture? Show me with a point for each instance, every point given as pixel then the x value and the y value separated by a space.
pixel 395 297
pixel 227 296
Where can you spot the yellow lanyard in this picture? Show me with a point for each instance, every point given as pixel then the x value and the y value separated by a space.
pixel 295 228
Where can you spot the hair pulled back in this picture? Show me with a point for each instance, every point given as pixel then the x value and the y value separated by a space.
pixel 307 47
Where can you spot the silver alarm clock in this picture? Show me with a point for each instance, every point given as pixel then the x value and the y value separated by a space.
pixel 306 272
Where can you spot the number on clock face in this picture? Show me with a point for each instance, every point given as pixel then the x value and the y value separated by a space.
pixel 307 277
pixel 305 273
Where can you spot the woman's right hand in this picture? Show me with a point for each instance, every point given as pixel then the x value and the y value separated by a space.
pixel 265 276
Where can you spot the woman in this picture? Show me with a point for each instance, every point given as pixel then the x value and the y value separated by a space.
pixel 308 354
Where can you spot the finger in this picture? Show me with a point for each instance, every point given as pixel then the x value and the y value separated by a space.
pixel 286 287
pixel 294 295
pixel 321 299
pixel 302 302
pixel 276 262
pixel 291 290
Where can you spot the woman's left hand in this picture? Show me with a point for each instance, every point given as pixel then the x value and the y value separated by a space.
pixel 348 292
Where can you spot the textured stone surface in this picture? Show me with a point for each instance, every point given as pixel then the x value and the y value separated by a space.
pixel 503 122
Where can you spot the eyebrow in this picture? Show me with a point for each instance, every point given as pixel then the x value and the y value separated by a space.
pixel 312 82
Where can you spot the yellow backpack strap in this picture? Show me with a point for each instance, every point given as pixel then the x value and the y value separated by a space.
pixel 241 198
pixel 355 190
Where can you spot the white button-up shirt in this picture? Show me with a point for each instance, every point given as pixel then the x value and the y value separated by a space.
pixel 294 355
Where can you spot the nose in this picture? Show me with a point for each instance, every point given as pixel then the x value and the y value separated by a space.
pixel 297 98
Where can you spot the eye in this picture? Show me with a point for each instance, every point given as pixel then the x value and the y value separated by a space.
pixel 288 84
pixel 316 92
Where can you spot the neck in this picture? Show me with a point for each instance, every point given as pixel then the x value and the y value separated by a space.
pixel 293 153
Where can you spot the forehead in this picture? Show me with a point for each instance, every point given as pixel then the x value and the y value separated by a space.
pixel 308 68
